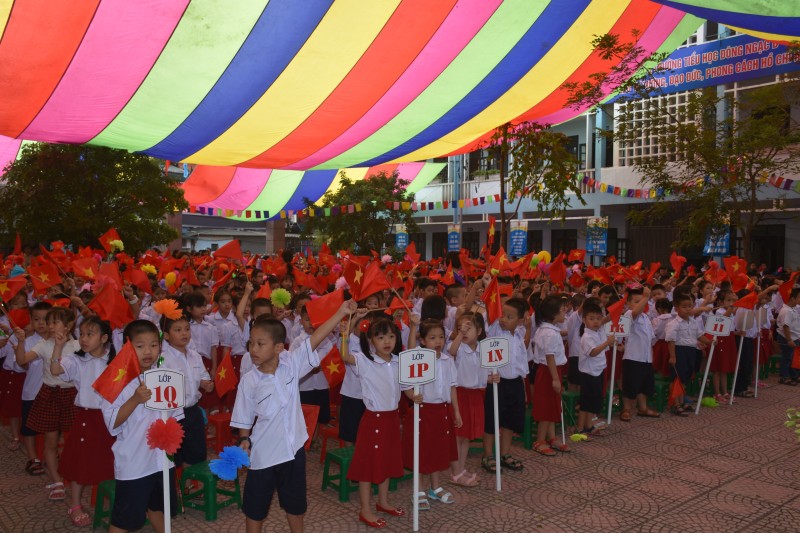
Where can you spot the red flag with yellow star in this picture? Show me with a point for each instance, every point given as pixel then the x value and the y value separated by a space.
pixel 107 237
pixel 490 235
pixel 500 262
pixel 333 367
pixel 86 268
pixel 123 369
pixel 491 297
pixel 10 287
pixel 43 277
pixel 225 379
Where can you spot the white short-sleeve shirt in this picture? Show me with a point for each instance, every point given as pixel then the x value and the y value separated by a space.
pixel 380 385
pixel 547 341
pixel 82 371
pixel 641 337
pixel 592 365
pixel 191 366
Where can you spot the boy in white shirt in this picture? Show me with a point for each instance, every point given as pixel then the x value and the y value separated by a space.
pixel 788 336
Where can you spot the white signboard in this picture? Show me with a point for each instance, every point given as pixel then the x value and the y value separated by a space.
pixel 494 352
pixel 417 366
pixel 621 330
pixel 167 389
pixel 719 325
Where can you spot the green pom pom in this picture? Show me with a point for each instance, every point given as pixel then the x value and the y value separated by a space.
pixel 578 437
pixel 708 401
pixel 280 298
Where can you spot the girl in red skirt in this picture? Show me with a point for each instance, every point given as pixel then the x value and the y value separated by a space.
pixel 723 361
pixel 438 415
pixel 87 458
pixel 377 456
pixel 53 410
pixel 549 353
pixel 660 348
pixel 470 386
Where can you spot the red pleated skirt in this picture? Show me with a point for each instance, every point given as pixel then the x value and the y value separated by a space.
pixel 725 353
pixel 470 405
pixel 661 358
pixel 87 457
pixel 546 403
pixel 378 455
pixel 437 438
pixel 11 393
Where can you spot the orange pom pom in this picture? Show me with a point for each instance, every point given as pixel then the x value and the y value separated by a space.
pixel 169 308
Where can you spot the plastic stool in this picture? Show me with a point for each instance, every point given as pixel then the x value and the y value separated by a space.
pixel 774 365
pixel 569 402
pixel 106 491
pixel 342 457
pixel 222 431
pixel 208 494
pixel 661 395
pixel 527 433
pixel 329 433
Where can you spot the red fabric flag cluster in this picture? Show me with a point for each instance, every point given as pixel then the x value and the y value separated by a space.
pixel 43 277
pixel 225 379
pixel 119 372
pixel 491 297
pixel 111 305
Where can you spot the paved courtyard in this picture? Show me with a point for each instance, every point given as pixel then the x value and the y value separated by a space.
pixel 729 469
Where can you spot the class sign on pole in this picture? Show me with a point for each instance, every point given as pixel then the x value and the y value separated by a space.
pixel 417 367
pixel 620 330
pixel 167 394
pixel 494 354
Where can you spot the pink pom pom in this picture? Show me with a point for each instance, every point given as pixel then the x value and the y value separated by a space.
pixel 341 283
pixel 336 268
pixel 386 259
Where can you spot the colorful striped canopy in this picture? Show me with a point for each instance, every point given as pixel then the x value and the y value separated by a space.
pixel 776 20
pixel 255 189
pixel 312 84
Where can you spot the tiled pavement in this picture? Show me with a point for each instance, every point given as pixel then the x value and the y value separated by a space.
pixel 729 469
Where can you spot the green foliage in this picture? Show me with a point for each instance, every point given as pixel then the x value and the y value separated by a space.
pixel 715 153
pixel 540 168
pixel 76 193
pixel 793 422
pixel 369 229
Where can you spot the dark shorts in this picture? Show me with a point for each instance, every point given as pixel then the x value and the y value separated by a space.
pixel 573 374
pixel 591 398
pixel 134 497
pixel 685 359
pixel 511 403
pixel 288 478
pixel 350 412
pixel 26 409
pixel 637 378
pixel 193 447
pixel 321 397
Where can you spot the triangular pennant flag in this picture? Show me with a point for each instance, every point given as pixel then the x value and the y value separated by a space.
pixel 225 379
pixel 122 370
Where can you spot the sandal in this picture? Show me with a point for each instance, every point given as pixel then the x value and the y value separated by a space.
pixel 441 495
pixel 57 492
pixel 746 394
pixel 424 504
pixel 625 416
pixel 507 461
pixel 543 448
pixel 787 381
pixel 34 467
pixel 489 464
pixel 648 413
pixel 594 431
pixel 78 516
pixel 563 448
pixel 678 411
pixel 464 479
pixel 380 523
pixel 13 445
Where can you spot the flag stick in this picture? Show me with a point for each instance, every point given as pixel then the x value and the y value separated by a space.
pixel 611 384
pixel 705 376
pixel 416 460
pixel 758 353
pixel 498 481
pixel 736 373
pixel 563 429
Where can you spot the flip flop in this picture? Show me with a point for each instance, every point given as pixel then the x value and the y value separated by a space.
pixel 464 479
pixel 625 416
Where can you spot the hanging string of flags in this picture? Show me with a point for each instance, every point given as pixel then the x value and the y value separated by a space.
pixel 625 192
pixel 784 184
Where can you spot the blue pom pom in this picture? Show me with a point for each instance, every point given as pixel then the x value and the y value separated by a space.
pixel 223 469
pixel 230 461
pixel 237 456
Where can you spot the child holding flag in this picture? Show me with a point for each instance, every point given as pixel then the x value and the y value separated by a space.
pixel 314 389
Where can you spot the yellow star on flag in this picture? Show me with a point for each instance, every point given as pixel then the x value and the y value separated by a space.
pixel 120 374
pixel 221 373
pixel 333 368
pixel 3 288
pixel 88 272
pixel 357 278
pixel 736 267
pixel 492 297
pixel 44 277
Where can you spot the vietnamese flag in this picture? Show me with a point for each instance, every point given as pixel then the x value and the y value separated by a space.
pixel 576 255
pixel 374 281
pixel 558 271
pixel 107 237
pixel 615 311
pixel 652 272
pixel 411 252
pixel 491 297
pixel 321 309
pixel 676 390
pixel 677 262
pixel 490 234
pixel 111 270
pixel 19 317
pixel 111 305
pixel 232 250
pixel 576 280
pixel 225 379
pixel 85 268
pixel 500 262
pixel 123 369
pixel 785 288
pixel 139 279
pixel 747 302
pixel 332 367
pixel 10 287
pixel 734 265
pixel 43 277
pixel 265 291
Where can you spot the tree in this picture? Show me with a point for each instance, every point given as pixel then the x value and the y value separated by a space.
pixel 540 167
pixel 715 152
pixel 369 228
pixel 76 193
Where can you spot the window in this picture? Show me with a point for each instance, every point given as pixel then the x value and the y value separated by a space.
pixel 712 31
pixel 535 239
pixel 214 246
pixel 563 240
pixel 470 240
pixel 419 240
pixel 439 244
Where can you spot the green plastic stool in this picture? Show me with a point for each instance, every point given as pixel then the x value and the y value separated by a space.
pixel 342 457
pixel 106 491
pixel 526 437
pixel 206 498
pixel 774 364
pixel 569 402
pixel 660 395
